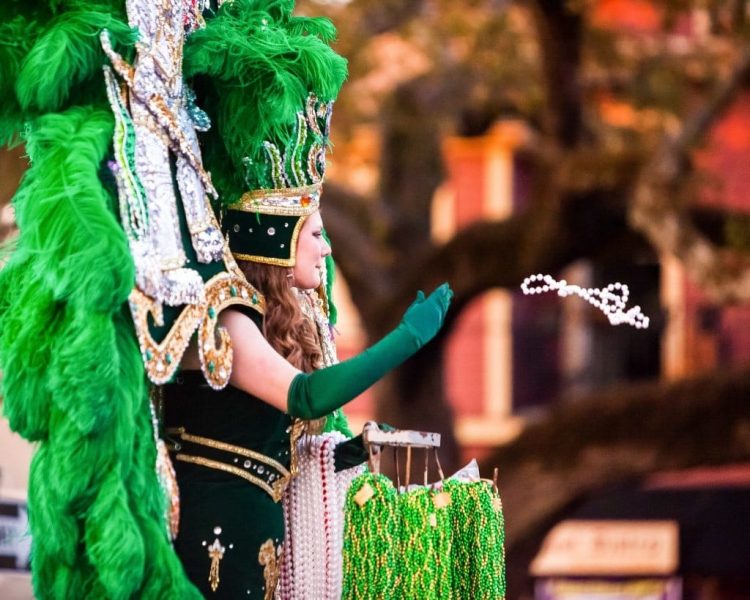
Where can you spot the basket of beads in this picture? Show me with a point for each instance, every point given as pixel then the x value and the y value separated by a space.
pixel 440 540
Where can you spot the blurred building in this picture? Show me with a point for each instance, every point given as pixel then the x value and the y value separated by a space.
pixel 510 354
pixel 674 535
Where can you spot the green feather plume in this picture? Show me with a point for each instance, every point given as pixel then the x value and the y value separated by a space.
pixel 48 49
pixel 70 223
pixel 73 377
pixel 68 55
pixel 262 63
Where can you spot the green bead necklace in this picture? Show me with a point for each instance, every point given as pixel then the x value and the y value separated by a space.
pixel 371 534
pixel 424 566
pixel 478 529
pixel 429 544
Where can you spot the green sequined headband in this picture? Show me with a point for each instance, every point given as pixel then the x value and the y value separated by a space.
pixel 264 225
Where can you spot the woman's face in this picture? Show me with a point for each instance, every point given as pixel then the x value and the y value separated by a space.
pixel 312 249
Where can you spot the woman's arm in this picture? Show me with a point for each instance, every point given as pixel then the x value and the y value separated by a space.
pixel 256 367
pixel 260 371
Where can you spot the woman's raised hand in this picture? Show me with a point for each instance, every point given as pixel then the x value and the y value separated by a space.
pixel 313 395
pixel 425 316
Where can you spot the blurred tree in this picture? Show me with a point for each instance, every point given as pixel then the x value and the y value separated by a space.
pixel 614 115
pixel 615 109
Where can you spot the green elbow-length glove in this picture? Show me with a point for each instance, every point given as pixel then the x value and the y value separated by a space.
pixel 314 395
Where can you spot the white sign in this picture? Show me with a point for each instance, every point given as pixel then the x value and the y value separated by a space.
pixel 15 540
pixel 610 548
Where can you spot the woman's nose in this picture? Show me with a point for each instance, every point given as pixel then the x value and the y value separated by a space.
pixel 326 248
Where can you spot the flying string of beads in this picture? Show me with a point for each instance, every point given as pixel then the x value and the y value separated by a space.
pixel 612 299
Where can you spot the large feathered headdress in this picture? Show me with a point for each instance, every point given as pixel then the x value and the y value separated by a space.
pixel 269 80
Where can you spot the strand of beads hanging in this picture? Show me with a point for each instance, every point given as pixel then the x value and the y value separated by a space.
pixel 314 513
pixel 425 566
pixel 371 539
pixel 612 299
pixel 478 550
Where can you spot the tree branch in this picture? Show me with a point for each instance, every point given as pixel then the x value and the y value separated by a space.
pixel 559 34
pixel 411 164
pixel 498 254
pixel 722 274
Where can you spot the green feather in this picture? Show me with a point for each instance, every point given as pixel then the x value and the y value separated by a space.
pixel 16 37
pixel 31 10
pixel 67 56
pixel 262 64
pixel 113 541
pixel 62 210
pixel 28 321
pixel 73 376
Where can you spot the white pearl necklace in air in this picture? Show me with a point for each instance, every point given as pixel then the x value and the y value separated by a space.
pixel 611 300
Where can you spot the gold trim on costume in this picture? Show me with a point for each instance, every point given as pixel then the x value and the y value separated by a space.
pixel 270 201
pixel 278 211
pixel 222 291
pixel 274 491
pixel 162 359
pixel 292 192
pixel 270 558
pixel 304 190
pixel 203 441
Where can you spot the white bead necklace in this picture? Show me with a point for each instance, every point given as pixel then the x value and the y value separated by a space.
pixel 611 300
pixel 312 563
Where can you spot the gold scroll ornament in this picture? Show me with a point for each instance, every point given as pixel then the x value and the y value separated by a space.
pixel 162 359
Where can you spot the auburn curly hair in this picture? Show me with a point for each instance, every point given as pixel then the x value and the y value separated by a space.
pixel 288 331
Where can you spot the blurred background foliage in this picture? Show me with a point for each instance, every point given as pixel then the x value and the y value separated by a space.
pixel 616 102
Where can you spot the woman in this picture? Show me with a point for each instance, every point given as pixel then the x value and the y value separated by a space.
pixel 268 80
pixel 234 450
